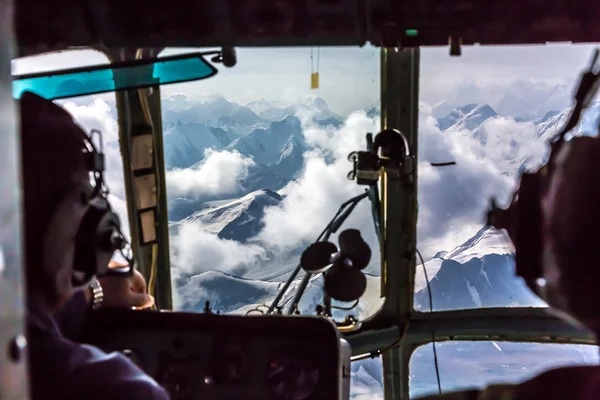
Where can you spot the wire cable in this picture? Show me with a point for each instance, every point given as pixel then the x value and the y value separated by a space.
pixel 349 308
pixel 435 358
pixel 153 268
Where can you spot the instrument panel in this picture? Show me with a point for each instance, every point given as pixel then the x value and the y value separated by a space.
pixel 208 356
pixel 389 23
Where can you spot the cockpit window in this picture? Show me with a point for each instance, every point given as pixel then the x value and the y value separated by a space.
pixel 257 166
pixel 467 365
pixel 491 111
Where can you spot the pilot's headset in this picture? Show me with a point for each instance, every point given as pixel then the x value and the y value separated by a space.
pixel 85 218
pixel 523 220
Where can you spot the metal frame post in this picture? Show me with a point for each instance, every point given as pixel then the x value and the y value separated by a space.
pixel 13 360
pixel 134 121
pixel 400 110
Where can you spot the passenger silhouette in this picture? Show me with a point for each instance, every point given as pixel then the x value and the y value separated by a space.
pixel 52 164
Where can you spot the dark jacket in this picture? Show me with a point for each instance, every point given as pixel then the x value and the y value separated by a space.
pixel 66 370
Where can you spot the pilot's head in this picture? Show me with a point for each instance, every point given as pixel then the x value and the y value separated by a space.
pixel 571 213
pixel 53 164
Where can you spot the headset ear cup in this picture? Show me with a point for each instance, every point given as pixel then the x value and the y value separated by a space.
pixel 61 232
pixel 95 242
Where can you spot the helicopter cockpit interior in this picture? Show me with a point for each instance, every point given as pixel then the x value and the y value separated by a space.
pixel 303 246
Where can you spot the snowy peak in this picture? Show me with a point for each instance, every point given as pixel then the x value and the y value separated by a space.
pixel 478 273
pixel 374 110
pixel 319 104
pixel 313 107
pixel 552 123
pixel 546 117
pixel 239 219
pixel 260 106
pixel 265 145
pixel 185 142
pixel 215 111
pixel 467 117
pixel 486 241
pixel 176 102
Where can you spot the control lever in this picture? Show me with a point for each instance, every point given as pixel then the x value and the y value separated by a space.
pixel 350 324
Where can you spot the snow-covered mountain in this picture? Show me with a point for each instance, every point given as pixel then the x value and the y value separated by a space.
pixel 374 110
pixel 315 106
pixel 478 273
pixel 232 294
pixel 527 99
pixel 239 219
pixel 472 116
pixel 262 105
pixel 553 122
pixel 184 143
pixel 267 146
pixel 182 207
pixel 214 111
pixel 467 117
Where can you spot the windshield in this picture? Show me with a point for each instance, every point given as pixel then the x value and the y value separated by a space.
pixel 475 365
pixel 257 166
pixel 492 111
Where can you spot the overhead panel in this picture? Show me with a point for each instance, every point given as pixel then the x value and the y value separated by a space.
pixel 163 23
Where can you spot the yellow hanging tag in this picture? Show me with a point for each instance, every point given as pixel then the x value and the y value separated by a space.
pixel 314 80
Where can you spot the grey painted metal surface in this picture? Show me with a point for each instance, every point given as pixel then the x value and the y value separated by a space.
pixel 164 287
pixel 503 324
pixel 13 360
pixel 133 121
pixel 400 110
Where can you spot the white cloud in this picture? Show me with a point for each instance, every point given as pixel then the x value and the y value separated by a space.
pixel 218 173
pixel 90 113
pixel 508 143
pixel 453 199
pixel 194 250
pixel 313 199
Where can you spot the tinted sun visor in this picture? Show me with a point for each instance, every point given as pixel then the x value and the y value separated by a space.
pixel 116 76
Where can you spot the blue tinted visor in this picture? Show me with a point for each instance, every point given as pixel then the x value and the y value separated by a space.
pixel 112 77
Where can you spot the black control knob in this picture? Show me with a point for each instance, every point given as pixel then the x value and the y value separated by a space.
pixel 229 365
pixel 175 380
pixel 292 375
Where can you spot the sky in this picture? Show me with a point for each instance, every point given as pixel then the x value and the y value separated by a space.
pixel 349 77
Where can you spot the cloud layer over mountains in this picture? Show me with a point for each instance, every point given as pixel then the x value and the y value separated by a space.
pixel 247 194
pixel 488 150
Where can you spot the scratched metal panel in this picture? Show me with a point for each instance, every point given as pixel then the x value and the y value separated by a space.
pixel 13 371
